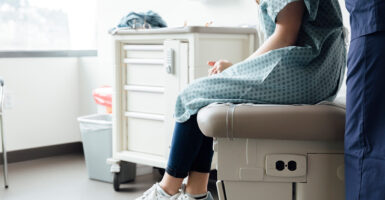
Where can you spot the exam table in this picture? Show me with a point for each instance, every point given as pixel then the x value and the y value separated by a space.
pixel 271 152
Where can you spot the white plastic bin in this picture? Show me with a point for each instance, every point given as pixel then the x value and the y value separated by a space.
pixel 96 133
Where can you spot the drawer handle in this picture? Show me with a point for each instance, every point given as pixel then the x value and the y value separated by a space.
pixel 144 116
pixel 144 89
pixel 143 47
pixel 144 61
pixel 169 61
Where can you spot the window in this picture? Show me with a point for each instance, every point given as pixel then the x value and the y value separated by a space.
pixel 47 25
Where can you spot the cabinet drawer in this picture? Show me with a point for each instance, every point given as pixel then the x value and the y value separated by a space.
pixel 145 74
pixel 146 136
pixel 143 51
pixel 146 102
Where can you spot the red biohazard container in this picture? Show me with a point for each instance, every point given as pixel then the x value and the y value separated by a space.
pixel 103 96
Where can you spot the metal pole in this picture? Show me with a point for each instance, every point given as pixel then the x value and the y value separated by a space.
pixel 5 163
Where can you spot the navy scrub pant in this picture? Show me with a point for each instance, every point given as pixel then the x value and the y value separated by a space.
pixel 190 150
pixel 365 119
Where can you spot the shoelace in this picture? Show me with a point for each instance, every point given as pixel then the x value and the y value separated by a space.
pixel 182 191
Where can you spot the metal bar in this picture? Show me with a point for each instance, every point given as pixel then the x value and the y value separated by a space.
pixel 5 163
pixel 48 53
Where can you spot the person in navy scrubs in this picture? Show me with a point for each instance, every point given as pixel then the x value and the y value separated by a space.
pixel 365 106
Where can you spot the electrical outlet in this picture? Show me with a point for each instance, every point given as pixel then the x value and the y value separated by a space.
pixel 286 165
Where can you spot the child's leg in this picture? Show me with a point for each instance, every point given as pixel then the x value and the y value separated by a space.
pixel 200 169
pixel 185 147
pixel 197 183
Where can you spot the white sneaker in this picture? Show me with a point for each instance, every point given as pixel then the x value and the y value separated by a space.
pixel 157 193
pixel 184 196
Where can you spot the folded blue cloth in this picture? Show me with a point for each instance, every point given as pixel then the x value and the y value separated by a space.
pixel 135 20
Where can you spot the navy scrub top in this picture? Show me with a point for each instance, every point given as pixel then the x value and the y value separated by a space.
pixel 366 16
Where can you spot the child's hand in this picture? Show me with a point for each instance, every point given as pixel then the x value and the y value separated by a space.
pixel 218 66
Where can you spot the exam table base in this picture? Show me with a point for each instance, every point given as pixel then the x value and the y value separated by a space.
pixel 243 172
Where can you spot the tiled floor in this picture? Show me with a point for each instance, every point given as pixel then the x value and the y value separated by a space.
pixel 65 177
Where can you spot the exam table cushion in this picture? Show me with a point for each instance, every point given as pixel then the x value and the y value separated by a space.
pixel 289 122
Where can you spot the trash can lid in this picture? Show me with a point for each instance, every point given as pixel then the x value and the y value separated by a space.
pixel 96 118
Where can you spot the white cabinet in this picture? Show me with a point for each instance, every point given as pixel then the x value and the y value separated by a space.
pixel 151 68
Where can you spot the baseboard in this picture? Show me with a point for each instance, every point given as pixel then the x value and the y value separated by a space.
pixel 43 152
pixel 57 150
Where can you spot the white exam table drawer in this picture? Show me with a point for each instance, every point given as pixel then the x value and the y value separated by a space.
pixel 145 131
pixel 145 99
pixel 145 74
pixel 144 51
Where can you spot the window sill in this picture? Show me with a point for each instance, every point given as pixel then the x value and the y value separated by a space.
pixel 48 53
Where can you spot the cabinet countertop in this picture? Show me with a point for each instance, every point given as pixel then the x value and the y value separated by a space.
pixel 187 29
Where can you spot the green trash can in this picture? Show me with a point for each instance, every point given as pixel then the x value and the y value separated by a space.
pixel 96 131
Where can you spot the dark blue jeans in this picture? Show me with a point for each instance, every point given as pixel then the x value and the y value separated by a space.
pixel 190 150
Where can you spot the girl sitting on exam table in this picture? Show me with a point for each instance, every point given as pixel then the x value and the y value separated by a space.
pixel 301 62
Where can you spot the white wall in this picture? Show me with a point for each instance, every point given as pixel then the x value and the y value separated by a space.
pixel 46 97
pixel 89 79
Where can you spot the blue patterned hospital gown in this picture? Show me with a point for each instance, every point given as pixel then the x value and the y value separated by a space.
pixel 307 73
